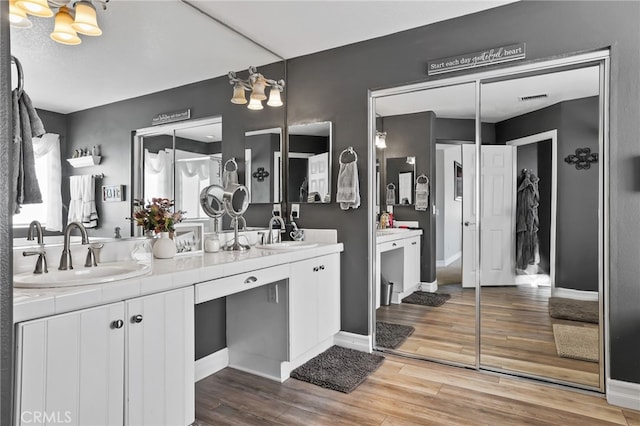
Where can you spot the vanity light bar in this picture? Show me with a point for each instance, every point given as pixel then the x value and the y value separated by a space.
pixel 256 83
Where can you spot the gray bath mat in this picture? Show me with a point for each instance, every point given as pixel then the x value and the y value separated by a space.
pixel 338 368
pixel 427 299
pixel 392 335
pixel 576 342
pixel 572 309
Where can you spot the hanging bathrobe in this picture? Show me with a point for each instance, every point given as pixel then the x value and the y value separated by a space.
pixel 527 220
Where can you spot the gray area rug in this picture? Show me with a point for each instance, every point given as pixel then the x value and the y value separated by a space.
pixel 392 335
pixel 575 310
pixel 576 342
pixel 427 299
pixel 338 368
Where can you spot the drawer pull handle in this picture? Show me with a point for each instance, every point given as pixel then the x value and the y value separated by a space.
pixel 137 318
pixel 322 267
pixel 393 245
pixel 315 269
pixel 117 324
pixel 413 243
pixel 250 280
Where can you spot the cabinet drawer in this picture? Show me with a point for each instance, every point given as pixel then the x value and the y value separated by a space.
pixel 390 245
pixel 222 287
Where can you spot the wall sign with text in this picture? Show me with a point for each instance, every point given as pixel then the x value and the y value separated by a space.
pixel 112 193
pixel 492 56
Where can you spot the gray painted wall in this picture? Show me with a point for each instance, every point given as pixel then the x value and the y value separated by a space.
pixel 6 252
pixel 577 207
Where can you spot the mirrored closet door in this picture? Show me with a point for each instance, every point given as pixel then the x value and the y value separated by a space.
pixel 423 129
pixel 541 209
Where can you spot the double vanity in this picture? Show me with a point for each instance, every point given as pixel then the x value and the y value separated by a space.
pixel 122 352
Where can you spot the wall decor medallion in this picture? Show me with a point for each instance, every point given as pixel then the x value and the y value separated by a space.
pixel 260 174
pixel 582 158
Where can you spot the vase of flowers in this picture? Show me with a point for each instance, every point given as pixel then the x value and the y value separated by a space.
pixel 157 216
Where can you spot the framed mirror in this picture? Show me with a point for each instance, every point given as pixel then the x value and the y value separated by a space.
pixel 310 148
pixel 400 177
pixel 177 161
pixel 263 165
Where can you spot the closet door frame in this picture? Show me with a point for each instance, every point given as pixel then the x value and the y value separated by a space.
pixel 601 58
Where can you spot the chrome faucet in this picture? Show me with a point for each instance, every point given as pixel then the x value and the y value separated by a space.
pixel 41 263
pixel 270 237
pixel 65 259
pixel 38 227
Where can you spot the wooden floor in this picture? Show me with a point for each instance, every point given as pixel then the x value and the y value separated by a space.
pixel 401 392
pixel 516 330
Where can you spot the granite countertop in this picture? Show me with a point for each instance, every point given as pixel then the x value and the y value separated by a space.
pixel 167 274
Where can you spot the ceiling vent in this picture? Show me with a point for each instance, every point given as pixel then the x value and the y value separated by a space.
pixel 534 97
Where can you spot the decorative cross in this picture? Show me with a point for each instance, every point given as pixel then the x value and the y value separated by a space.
pixel 582 158
pixel 260 174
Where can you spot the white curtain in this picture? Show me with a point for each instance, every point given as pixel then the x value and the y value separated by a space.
pixel 157 173
pixel 48 146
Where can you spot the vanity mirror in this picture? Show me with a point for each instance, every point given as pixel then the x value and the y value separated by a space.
pixel 310 163
pixel 263 171
pixel 400 178
pixel 177 161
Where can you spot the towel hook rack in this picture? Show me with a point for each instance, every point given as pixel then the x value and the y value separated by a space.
pixel 351 151
pixel 231 161
pixel 98 176
pixel 18 65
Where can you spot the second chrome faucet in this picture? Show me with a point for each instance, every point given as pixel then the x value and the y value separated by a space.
pixel 65 260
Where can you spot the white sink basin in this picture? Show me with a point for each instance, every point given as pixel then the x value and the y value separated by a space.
pixel 103 273
pixel 287 245
pixel 388 231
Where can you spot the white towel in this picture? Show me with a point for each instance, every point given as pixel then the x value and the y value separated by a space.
pixel 422 195
pixel 348 193
pixel 82 207
pixel 229 176
pixel 89 212
pixel 391 194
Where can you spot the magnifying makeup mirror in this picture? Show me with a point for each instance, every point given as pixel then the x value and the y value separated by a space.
pixel 211 200
pixel 236 201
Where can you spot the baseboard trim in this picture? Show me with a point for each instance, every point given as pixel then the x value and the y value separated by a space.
pixel 448 261
pixel 211 364
pixel 431 287
pixel 570 293
pixel 623 394
pixel 359 342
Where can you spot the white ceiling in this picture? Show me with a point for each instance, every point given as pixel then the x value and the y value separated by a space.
pixel 148 46
pixel 499 100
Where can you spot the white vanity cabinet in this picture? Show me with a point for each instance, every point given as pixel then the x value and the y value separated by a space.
pixel 126 363
pixel 398 259
pixel 314 308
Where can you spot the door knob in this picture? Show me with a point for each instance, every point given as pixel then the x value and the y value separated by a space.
pixel 117 323
pixel 137 318
pixel 467 223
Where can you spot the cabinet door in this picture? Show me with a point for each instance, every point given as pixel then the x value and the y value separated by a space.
pixel 328 296
pixel 70 368
pixel 303 307
pixel 160 359
pixel 411 262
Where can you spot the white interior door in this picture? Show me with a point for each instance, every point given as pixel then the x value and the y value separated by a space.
pixel 497 239
pixel 319 174
pixel 469 228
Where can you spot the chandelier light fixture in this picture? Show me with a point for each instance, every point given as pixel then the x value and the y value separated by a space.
pixel 72 17
pixel 256 84
pixel 381 140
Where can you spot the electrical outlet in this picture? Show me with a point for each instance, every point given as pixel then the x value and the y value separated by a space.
pixel 276 210
pixel 295 211
pixel 273 293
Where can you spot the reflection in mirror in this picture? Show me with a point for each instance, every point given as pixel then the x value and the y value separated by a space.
pixel 177 161
pixel 310 163
pixel 400 178
pixel 263 158
pixel 540 284
pixel 414 121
